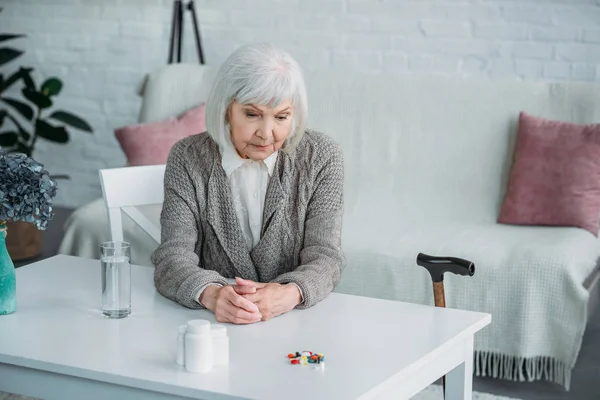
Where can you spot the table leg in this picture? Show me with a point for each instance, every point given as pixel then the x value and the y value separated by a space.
pixel 459 381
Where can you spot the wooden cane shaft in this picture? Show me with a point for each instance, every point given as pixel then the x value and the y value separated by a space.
pixel 438 294
pixel 439 300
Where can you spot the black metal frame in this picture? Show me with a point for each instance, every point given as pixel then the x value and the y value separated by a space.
pixel 177 31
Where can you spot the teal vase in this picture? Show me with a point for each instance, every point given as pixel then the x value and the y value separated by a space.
pixel 8 282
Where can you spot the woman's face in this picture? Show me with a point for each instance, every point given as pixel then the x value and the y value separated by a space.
pixel 259 131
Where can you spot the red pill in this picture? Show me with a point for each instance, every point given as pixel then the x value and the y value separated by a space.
pixel 295 361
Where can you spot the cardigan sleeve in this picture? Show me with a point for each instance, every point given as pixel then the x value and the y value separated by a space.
pixel 321 258
pixel 178 273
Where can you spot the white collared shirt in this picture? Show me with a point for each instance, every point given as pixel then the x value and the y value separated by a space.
pixel 248 180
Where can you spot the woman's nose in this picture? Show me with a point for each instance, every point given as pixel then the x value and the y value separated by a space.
pixel 266 129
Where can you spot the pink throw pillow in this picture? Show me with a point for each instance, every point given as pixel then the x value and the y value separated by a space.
pixel 555 176
pixel 150 143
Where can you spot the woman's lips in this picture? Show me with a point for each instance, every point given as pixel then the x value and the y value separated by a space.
pixel 262 148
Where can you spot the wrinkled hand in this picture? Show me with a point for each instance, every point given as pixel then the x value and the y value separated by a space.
pixel 272 299
pixel 230 306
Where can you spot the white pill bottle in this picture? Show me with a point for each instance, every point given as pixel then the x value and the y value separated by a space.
pixel 180 358
pixel 198 346
pixel 220 344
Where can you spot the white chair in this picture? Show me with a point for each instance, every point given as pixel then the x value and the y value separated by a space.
pixel 124 189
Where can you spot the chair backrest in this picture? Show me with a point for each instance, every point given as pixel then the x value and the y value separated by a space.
pixel 124 189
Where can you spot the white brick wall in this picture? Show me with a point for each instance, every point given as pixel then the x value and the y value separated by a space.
pixel 102 48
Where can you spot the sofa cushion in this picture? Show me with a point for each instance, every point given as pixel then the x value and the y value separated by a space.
pixel 150 143
pixel 555 177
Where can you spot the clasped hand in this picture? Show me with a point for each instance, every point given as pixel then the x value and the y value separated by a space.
pixel 247 301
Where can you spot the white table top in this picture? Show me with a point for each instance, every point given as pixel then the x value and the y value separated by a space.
pixel 58 327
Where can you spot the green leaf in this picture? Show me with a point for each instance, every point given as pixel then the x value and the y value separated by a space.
pixel 71 120
pixel 51 87
pixel 25 74
pixel 56 134
pixel 10 81
pixel 8 54
pixel 24 109
pixel 8 36
pixel 8 139
pixel 37 98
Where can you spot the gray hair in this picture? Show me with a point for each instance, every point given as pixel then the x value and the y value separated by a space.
pixel 256 74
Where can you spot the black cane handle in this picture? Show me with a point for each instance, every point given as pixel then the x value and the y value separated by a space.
pixel 437 266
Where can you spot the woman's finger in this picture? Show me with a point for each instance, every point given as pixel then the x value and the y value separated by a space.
pixel 241 302
pixel 254 297
pixel 240 316
pixel 244 282
pixel 224 316
pixel 244 289
pixel 247 282
pixel 226 311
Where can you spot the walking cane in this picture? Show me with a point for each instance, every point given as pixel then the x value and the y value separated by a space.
pixel 437 266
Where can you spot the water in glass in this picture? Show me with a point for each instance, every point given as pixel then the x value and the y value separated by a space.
pixel 116 283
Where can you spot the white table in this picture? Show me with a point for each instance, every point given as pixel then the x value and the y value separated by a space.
pixel 58 346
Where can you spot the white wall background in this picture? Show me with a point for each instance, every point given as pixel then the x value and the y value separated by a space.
pixel 102 48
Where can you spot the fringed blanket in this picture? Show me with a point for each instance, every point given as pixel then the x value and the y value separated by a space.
pixel 521 369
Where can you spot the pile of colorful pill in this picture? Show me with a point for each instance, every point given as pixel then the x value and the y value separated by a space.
pixel 305 358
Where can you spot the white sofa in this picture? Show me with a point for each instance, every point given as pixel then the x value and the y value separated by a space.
pixel 427 161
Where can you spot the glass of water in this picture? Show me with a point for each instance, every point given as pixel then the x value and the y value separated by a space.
pixel 116 279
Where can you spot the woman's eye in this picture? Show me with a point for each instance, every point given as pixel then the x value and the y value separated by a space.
pixel 282 117
pixel 251 114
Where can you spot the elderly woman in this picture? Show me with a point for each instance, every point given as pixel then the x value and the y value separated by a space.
pixel 252 214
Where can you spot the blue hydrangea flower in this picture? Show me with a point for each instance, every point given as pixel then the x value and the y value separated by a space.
pixel 26 190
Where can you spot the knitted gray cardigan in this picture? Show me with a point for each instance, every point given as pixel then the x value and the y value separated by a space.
pixel 202 241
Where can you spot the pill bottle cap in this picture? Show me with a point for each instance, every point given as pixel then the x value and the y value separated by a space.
pixel 198 326
pixel 182 328
pixel 218 330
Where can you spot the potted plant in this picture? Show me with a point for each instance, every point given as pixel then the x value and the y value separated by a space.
pixel 23 121
pixel 26 193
